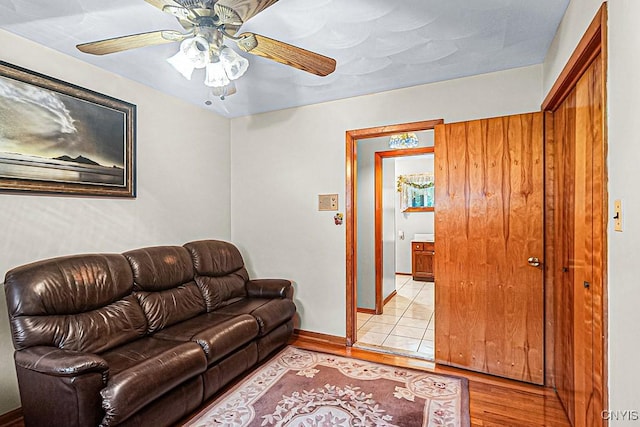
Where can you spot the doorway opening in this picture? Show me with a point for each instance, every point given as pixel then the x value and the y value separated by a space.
pixel 403 318
pixel 388 318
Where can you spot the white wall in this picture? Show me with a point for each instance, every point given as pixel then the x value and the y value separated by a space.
pixel 624 174
pixel 411 223
pixel 183 186
pixel 575 22
pixel 388 227
pixel 366 267
pixel 282 160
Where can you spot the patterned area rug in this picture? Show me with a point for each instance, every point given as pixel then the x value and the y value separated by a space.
pixel 302 388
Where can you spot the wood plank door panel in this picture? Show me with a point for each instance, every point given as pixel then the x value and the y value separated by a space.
pixel 578 138
pixel 564 126
pixel 489 221
pixel 589 248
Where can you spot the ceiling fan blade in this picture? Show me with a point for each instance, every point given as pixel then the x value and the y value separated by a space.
pixel 245 9
pixel 287 54
pixel 160 4
pixel 184 15
pixel 119 44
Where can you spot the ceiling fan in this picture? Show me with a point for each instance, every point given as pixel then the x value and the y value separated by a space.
pixel 207 24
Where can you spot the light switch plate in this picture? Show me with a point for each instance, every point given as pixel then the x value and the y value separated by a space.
pixel 617 215
pixel 327 202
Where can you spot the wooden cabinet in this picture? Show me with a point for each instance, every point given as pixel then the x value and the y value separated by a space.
pixel 422 261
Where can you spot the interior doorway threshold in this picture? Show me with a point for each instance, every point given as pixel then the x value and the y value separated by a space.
pixel 394 352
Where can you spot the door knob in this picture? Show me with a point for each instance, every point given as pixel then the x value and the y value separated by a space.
pixel 534 261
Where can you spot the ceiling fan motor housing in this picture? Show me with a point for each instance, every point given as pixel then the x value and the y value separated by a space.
pixel 196 4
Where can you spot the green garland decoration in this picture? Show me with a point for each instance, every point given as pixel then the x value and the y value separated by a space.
pixel 403 181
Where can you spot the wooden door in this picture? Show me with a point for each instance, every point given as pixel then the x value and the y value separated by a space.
pixel 576 141
pixel 578 125
pixel 489 222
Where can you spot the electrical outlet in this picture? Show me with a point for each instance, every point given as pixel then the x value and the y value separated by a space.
pixel 617 215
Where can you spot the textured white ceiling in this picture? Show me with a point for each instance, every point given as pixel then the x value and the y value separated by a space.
pixel 379 45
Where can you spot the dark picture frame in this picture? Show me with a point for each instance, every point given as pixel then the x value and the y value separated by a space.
pixel 56 137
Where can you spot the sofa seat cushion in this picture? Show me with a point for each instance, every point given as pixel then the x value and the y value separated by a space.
pixel 142 371
pixel 218 334
pixel 270 313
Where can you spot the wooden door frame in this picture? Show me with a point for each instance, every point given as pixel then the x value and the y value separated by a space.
pixel 592 44
pixel 379 157
pixel 351 137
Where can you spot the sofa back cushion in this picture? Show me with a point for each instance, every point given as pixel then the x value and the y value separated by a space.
pixel 80 303
pixel 164 285
pixel 219 272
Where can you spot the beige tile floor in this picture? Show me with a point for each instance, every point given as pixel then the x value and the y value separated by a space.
pixel 406 325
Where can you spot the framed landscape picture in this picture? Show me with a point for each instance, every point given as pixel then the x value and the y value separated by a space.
pixel 56 137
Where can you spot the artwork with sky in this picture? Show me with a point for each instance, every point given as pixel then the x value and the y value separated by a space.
pixel 47 135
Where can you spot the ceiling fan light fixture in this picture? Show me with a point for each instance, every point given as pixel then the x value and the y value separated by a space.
pixel 216 75
pixel 197 50
pixel 193 53
pixel 234 65
pixel 182 64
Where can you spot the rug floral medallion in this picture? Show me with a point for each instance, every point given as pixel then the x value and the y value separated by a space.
pixel 303 388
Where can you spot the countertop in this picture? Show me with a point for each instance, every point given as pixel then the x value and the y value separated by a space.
pixel 424 237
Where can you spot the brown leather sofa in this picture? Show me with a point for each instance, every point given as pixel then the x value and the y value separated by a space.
pixel 140 338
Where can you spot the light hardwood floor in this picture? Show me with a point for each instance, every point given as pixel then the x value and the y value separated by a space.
pixel 493 401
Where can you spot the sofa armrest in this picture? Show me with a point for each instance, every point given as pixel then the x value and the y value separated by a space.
pixel 61 363
pixel 60 387
pixel 269 288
